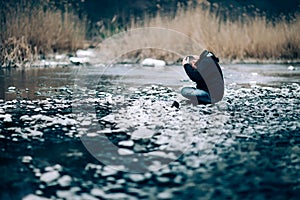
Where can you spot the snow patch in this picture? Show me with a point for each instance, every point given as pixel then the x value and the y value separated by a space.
pixel 153 62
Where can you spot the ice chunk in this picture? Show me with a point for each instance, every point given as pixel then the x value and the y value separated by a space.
pixel 49 176
pixel 65 181
pixel 34 197
pixel 98 192
pixel 11 88
pixel 85 53
pixel 141 133
pixel 78 61
pixel 6 118
pixel 291 68
pixel 127 143
pixel 137 177
pixel 26 159
pixel 124 152
pixel 109 118
pixel 153 62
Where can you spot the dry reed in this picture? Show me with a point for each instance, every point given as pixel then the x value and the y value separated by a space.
pixel 246 38
pixel 37 30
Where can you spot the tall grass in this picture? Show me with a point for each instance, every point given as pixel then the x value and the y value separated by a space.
pixel 29 30
pixel 32 29
pixel 245 38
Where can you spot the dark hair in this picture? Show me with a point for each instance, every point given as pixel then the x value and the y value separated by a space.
pixel 216 59
pixel 191 58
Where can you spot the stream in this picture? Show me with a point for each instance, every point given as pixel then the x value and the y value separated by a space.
pixel 96 132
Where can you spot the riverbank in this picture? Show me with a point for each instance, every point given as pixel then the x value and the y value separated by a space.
pixel 244 38
pixel 30 30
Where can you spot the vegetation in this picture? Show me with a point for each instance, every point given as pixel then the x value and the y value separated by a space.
pixel 245 38
pixel 32 29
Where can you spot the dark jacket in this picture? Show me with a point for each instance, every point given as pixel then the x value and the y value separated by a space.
pixel 195 76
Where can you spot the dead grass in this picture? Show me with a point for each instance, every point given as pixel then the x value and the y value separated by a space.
pixel 31 30
pixel 28 31
pixel 244 38
pixel 17 52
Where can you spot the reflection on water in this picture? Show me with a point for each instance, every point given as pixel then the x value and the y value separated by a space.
pixel 28 81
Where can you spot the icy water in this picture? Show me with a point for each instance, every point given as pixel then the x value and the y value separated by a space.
pixel 112 133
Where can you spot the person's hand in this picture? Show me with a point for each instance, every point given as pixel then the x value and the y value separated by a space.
pixel 190 60
pixel 185 60
pixel 193 62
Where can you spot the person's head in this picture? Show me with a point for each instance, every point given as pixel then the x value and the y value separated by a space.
pixel 190 60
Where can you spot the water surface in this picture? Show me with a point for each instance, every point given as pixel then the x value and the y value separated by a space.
pixel 61 131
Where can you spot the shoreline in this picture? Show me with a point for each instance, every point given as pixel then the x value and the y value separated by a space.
pixel 235 62
pixel 90 57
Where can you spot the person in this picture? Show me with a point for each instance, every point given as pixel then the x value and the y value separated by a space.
pixel 205 71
